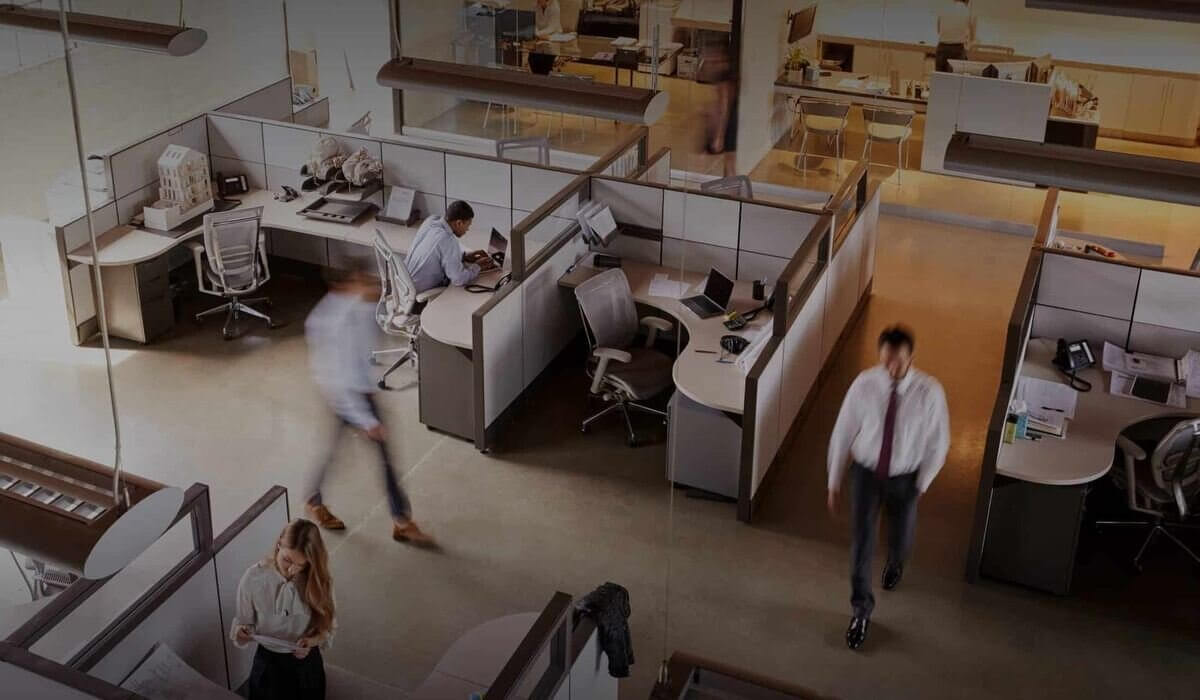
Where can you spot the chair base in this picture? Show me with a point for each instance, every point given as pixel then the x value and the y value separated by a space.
pixel 624 406
pixel 234 310
pixel 1155 528
pixel 407 356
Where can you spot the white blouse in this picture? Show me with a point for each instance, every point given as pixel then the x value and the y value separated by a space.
pixel 271 606
pixel 954 24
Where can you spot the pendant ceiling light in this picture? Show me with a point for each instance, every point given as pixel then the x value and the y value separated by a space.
pixel 99 29
pixel 1075 168
pixel 515 87
pixel 1171 10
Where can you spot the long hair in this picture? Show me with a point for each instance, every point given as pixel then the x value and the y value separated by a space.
pixel 314 583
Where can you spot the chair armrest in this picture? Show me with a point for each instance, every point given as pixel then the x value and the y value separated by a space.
pixel 655 325
pixel 1131 453
pixel 430 294
pixel 1131 448
pixel 606 355
pixel 198 258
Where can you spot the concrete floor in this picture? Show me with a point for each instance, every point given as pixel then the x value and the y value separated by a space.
pixel 552 509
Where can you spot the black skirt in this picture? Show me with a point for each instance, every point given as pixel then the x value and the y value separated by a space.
pixel 284 677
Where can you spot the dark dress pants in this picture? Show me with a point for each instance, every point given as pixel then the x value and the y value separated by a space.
pixel 897 496
pixel 284 677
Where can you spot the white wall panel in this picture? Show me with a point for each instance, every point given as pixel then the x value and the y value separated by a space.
pixel 551 317
pixel 1168 300
pixel 701 219
pixel 230 137
pixel 415 168
pixel 286 146
pixel 133 204
pixel 271 102
pixel 503 363
pixel 766 418
pixel 1091 286
pixel 753 266
pixel 1053 322
pixel 843 292
pixel 698 257
pixel 802 350
pixel 479 180
pixel 639 205
pixel 774 231
pixel 533 187
pixel 137 166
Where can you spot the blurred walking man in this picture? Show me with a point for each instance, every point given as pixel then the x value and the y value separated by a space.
pixel 340 332
pixel 894 430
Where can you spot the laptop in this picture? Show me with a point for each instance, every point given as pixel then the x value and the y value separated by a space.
pixel 498 247
pixel 717 290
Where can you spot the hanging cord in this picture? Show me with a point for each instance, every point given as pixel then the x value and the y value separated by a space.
pixel 101 314
pixel 181 13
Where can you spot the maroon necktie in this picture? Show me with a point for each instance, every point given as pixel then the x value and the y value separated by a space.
pixel 884 465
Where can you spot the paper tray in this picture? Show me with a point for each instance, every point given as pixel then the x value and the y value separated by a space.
pixel 337 211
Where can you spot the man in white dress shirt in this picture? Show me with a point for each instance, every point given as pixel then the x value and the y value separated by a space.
pixel 893 431
pixel 547 19
pixel 436 259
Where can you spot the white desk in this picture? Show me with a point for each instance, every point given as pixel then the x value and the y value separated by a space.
pixel 1086 453
pixel 126 245
pixel 447 319
pixel 697 375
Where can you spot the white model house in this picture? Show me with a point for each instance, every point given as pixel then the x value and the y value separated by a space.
pixel 184 188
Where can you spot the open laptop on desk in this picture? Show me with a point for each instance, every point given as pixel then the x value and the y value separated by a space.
pixel 498 248
pixel 717 291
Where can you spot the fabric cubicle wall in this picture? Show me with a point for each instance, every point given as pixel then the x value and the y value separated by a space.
pixel 828 281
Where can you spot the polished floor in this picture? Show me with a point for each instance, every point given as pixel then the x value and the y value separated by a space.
pixel 552 509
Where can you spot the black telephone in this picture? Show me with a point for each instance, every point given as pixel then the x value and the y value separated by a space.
pixel 1070 357
pixel 734 344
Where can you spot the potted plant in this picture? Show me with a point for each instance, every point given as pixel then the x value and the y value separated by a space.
pixel 797 62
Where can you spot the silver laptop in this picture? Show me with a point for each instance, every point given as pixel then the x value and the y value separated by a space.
pixel 718 289
pixel 498 247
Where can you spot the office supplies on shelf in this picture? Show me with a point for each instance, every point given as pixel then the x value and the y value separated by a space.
pixel 1148 389
pixel 663 286
pixel 399 208
pixel 338 212
pixel 1142 365
pixel 1047 395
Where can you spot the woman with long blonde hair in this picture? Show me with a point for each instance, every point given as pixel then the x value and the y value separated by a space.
pixel 285 604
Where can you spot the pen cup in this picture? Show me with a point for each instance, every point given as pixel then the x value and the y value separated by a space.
pixel 759 291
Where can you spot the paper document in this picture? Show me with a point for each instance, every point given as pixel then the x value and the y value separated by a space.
pixel 1044 398
pixel 1191 372
pixel 662 286
pixel 566 36
pixel 1122 385
pixel 275 642
pixel 1140 364
pixel 624 41
pixel 162 675
pixel 850 84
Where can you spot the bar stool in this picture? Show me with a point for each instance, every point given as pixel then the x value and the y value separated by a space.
pixel 827 119
pixel 885 125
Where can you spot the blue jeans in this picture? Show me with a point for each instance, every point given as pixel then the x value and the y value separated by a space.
pixel 397 500
pixel 898 496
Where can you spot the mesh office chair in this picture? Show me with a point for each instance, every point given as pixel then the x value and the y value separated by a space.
pixel 622 375
pixel 398 312
pixel 233 264
pixel 824 118
pixel 888 126
pixel 1160 484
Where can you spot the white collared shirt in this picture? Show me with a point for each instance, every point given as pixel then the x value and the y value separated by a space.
pixel 921 434
pixel 271 606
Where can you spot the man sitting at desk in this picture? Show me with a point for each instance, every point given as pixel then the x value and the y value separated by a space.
pixel 436 258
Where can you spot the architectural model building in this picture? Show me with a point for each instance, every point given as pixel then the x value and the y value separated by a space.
pixel 184 188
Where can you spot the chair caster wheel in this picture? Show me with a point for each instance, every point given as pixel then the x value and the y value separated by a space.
pixel 631 442
pixel 584 430
pixel 382 385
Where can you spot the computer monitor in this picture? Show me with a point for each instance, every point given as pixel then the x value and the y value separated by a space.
pixel 603 225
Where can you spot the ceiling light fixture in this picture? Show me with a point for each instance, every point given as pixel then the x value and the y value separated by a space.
pixel 1170 10
pixel 1075 168
pixel 516 87
pixel 111 31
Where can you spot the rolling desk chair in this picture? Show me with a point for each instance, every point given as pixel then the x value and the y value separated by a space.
pixel 398 312
pixel 1166 478
pixel 888 126
pixel 231 264
pixel 611 323
pixel 825 118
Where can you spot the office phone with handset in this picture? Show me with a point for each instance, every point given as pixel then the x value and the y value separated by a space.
pixel 1070 358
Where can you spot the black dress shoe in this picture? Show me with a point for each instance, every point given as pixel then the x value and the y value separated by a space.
pixel 892 573
pixel 856 633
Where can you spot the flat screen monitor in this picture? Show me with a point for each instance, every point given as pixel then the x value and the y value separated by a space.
pixel 718 288
pixel 603 225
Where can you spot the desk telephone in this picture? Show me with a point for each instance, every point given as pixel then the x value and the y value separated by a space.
pixel 1071 357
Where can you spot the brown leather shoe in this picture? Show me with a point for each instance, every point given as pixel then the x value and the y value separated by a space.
pixel 410 533
pixel 321 515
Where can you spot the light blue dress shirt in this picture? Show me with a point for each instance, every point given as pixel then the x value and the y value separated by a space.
pixel 436 257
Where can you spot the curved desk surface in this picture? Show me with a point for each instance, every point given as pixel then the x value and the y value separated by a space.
pixel 447 319
pixel 1086 453
pixel 126 245
pixel 697 374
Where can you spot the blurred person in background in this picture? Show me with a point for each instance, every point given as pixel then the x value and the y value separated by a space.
pixel 341 331
pixel 718 68
pixel 894 431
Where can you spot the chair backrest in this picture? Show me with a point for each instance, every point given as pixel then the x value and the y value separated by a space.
pixel 734 185
pixel 1175 463
pixel 398 292
pixel 609 313
pixel 810 107
pixel 891 117
pixel 233 244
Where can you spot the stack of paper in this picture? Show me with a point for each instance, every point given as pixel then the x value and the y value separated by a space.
pixel 663 286
pixel 1140 364
pixel 1046 399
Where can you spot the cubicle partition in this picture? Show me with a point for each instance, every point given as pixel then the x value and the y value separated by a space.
pixel 1077 296
pixel 827 281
